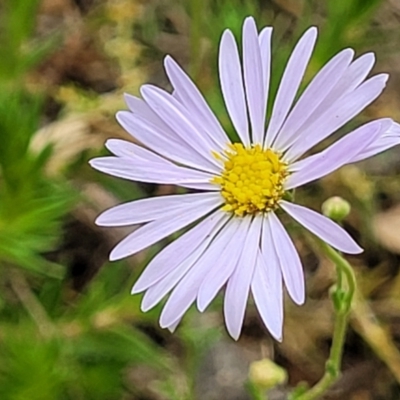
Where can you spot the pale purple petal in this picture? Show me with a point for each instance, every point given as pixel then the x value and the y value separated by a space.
pixel 238 287
pixel 350 80
pixel 290 83
pixel 140 171
pixel 193 100
pixel 323 227
pixel 266 287
pixel 174 325
pixel 315 93
pixel 157 230
pixel 335 156
pixel 187 289
pixel 180 249
pixel 174 114
pixel 385 142
pixel 254 80
pixel 274 274
pixel 148 209
pixel 264 40
pixel 161 141
pixel 224 264
pixel 348 107
pixel 125 149
pixel 157 291
pixel 231 78
pixel 289 259
pixel 139 108
pixel 341 146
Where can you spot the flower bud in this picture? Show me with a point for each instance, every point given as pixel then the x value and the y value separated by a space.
pixel 265 374
pixel 336 208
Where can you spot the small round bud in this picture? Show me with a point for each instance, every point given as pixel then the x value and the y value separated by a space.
pixel 336 208
pixel 265 374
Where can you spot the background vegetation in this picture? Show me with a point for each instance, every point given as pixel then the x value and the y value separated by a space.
pixel 69 328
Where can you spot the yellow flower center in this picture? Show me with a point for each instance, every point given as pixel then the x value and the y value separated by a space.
pixel 252 179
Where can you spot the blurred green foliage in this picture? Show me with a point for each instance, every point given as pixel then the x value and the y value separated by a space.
pixel 59 344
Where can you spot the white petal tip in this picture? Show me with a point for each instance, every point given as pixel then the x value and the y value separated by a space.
pixel 384 78
pixel 100 221
pixel 110 142
pixel 167 324
pixel 168 59
pixel 146 307
pixel 172 329
pixel 227 34
pixel 313 31
pixel 201 305
pixel 146 90
pixel 277 337
pixel 234 335
pixel 354 250
pixel 298 298
pixel 114 256
pixel 127 96
pixel 120 114
pixel 136 290
pixel 249 20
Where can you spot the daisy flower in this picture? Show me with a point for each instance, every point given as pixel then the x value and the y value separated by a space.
pixel 236 239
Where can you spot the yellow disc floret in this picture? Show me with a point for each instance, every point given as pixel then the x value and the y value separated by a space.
pixel 252 179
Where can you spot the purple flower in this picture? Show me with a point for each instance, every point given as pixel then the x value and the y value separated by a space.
pixel 238 241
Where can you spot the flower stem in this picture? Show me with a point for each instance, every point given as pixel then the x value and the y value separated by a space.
pixel 342 296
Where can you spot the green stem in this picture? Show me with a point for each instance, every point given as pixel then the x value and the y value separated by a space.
pixel 342 298
pixel 32 304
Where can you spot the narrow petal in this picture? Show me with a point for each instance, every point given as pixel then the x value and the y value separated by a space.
pixel 230 74
pixel 289 259
pixel 331 120
pixel 193 100
pixel 315 93
pixel 385 142
pixel 238 287
pixel 148 209
pixel 139 160
pixel 141 109
pixel 157 291
pixel 225 264
pixel 174 114
pixel 157 230
pixel 254 80
pixel 322 227
pixel 273 271
pixel 346 148
pixel 136 170
pixel 181 298
pixel 337 155
pixel 161 141
pixel 168 259
pixel 349 81
pixel 187 289
pixel 265 52
pixel 290 83
pixel 266 287
pixel 125 149
pixel 173 326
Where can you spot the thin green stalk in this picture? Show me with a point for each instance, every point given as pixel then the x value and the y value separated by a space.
pixel 32 304
pixel 342 297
